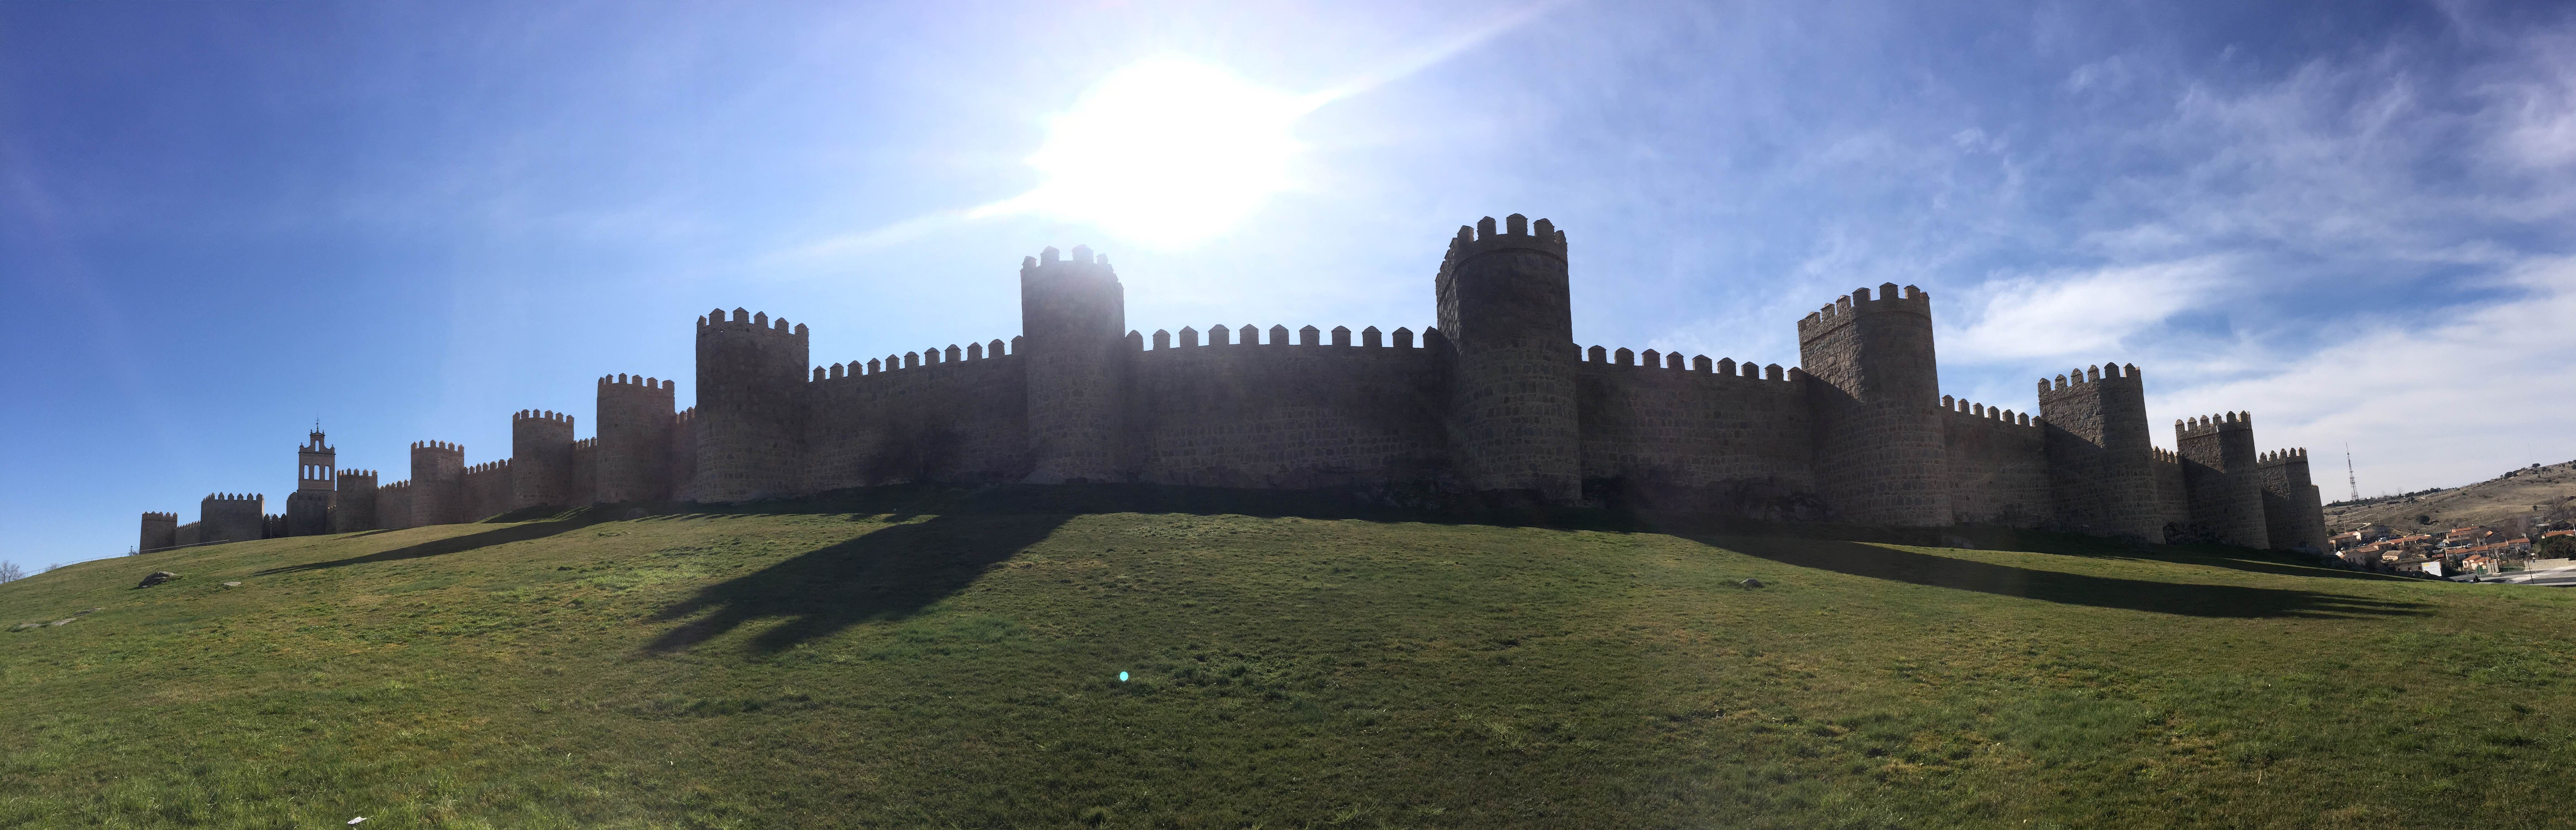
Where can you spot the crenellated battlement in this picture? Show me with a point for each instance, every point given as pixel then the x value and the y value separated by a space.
pixel 2075 379
pixel 748 322
pixel 1517 233
pixel 2214 424
pixel 1674 362
pixel 970 353
pixel 1049 259
pixel 1339 337
pixel 1978 411
pixel 2275 458
pixel 1858 303
pixel 1494 401
pixel 637 382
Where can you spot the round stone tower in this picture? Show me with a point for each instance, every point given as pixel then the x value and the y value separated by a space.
pixel 1074 314
pixel 1876 395
pixel 437 483
pixel 635 422
pixel 1504 307
pixel 540 459
pixel 751 406
pixel 356 508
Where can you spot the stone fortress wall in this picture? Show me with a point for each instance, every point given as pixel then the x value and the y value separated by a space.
pixel 1495 400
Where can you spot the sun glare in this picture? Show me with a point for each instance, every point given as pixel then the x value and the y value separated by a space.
pixel 1166 153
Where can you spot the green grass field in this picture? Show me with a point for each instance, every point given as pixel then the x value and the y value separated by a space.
pixel 918 658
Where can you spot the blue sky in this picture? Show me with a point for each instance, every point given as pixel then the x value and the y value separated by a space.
pixel 221 221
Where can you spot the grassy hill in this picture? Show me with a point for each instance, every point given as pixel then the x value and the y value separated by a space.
pixel 2537 492
pixel 918 658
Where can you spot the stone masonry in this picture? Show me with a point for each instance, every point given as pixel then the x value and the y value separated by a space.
pixel 1495 402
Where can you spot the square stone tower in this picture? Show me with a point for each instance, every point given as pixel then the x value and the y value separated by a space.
pixel 2101 474
pixel 2223 486
pixel 2293 510
pixel 232 517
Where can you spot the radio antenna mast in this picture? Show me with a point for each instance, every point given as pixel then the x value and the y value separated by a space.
pixel 2348 477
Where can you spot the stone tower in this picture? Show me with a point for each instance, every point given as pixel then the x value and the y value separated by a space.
pixel 1073 313
pixel 2218 473
pixel 2294 513
pixel 232 517
pixel 1505 307
pixel 160 530
pixel 540 459
pixel 2100 455
pixel 437 483
pixel 308 509
pixel 751 407
pixel 355 509
pixel 635 420
pixel 1875 393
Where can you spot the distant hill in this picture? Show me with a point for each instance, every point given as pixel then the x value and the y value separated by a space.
pixel 2538 492
pixel 918 658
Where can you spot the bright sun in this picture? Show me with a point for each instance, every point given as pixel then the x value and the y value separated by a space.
pixel 1167 152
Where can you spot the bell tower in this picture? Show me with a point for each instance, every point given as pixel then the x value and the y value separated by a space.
pixel 314 462
pixel 308 509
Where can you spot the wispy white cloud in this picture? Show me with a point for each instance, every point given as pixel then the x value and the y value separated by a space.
pixel 2366 248
pixel 2076 315
pixel 2477 390
pixel 2533 108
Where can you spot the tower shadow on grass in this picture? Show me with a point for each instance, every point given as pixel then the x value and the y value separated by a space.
pixel 2252 564
pixel 887 574
pixel 2233 601
pixel 440 547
